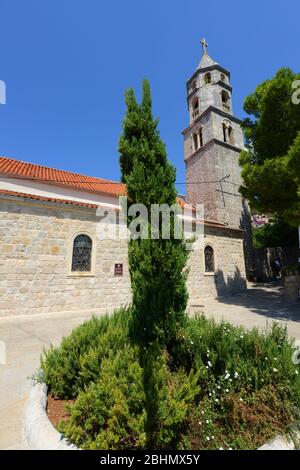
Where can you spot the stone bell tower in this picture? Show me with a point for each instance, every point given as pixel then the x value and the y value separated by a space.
pixel 212 144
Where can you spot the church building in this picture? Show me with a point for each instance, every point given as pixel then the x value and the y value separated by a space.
pixel 51 257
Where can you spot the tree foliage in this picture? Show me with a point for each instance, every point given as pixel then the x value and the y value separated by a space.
pixel 275 233
pixel 271 163
pixel 156 265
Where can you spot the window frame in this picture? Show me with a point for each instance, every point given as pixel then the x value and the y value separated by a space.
pixel 90 273
pixel 208 78
pixel 209 273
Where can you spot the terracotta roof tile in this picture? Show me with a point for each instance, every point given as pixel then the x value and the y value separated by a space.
pixel 15 168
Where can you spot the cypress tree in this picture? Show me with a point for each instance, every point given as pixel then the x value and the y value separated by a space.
pixel 156 265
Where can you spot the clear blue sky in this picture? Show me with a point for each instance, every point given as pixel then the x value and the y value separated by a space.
pixel 67 63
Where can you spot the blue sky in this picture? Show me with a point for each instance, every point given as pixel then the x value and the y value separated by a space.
pixel 67 63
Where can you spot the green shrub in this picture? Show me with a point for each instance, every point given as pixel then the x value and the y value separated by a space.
pixel 65 367
pixel 112 412
pixel 241 385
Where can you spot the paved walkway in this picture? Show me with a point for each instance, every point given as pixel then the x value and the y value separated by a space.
pixel 25 338
pixel 259 306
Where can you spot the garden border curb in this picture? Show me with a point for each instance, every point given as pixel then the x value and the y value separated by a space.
pixel 39 431
pixel 41 434
pixel 279 443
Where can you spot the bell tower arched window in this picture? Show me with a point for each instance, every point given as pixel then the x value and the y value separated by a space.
pixel 82 253
pixel 225 100
pixel 207 78
pixel 225 96
pixel 228 134
pixel 195 108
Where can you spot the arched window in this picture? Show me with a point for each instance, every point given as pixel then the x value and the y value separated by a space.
pixel 195 107
pixel 225 96
pixel 82 253
pixel 223 77
pixel 228 135
pixel 209 259
pixel 195 142
pixel 194 85
pixel 224 133
pixel 207 78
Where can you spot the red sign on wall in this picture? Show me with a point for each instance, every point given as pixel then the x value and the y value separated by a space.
pixel 118 269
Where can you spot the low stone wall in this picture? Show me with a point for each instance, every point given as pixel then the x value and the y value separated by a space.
pixel 292 288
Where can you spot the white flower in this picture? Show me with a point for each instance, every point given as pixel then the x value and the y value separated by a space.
pixel 200 423
pixel 209 394
pixel 207 421
pixel 266 358
pixel 226 390
pixel 202 412
pixel 274 369
pixel 230 448
pixel 218 387
pixel 227 376
pixel 217 400
pixel 209 364
pixel 206 367
pixel 275 358
pixel 221 448
pixel 236 375
pixel 207 438
pixel 230 380
pixel 213 437
pixel 192 342
pixel 296 372
pixel 241 399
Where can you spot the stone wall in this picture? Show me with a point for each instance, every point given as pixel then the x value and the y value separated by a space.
pixel 204 170
pixel 35 262
pixel 229 277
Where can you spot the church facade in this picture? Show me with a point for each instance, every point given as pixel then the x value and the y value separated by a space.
pixel 51 256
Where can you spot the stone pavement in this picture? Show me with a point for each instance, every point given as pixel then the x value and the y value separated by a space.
pixel 25 338
pixel 259 306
